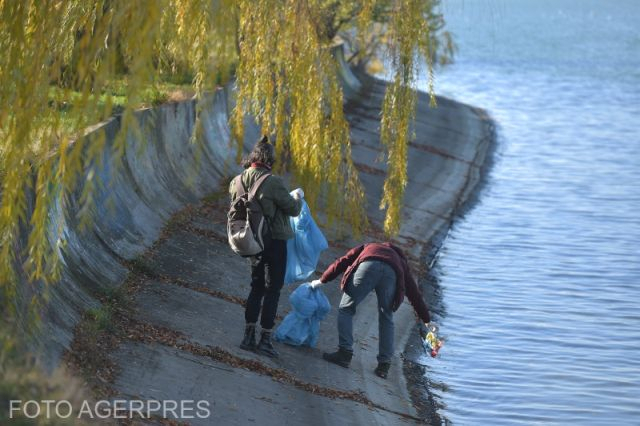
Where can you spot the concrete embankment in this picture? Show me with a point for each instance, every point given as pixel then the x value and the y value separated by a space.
pixel 191 293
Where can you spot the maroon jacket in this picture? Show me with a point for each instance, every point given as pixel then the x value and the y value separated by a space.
pixel 391 255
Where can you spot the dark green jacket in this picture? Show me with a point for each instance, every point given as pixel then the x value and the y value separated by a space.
pixel 276 202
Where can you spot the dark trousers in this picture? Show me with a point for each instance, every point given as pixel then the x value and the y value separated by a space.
pixel 267 279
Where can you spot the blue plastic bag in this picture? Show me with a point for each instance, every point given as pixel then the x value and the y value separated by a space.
pixel 302 325
pixel 303 251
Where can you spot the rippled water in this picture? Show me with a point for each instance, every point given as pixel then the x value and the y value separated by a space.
pixel 541 280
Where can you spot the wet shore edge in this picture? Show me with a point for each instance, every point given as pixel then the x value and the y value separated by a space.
pixel 419 385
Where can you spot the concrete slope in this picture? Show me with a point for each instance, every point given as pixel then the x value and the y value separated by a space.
pixel 196 284
pixel 199 283
pixel 135 200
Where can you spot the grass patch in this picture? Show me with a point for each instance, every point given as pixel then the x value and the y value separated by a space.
pixel 221 194
pixel 100 319
pixel 96 336
pixel 65 104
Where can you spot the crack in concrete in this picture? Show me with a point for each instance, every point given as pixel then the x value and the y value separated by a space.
pixel 146 272
pixel 432 150
pixel 368 169
pixel 431 212
pixel 365 168
pixel 205 290
pixel 202 289
pixel 207 233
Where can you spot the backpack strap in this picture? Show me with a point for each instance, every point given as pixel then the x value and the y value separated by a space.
pixel 256 185
pixel 240 191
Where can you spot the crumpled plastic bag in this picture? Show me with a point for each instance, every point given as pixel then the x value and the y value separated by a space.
pixel 303 251
pixel 301 326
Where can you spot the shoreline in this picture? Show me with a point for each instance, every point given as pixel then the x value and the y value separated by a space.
pixel 418 383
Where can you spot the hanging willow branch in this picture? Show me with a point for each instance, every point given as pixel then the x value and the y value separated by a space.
pixel 287 80
pixel 61 60
pixel 409 32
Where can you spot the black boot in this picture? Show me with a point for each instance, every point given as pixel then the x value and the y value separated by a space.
pixel 265 347
pixel 249 340
pixel 382 370
pixel 342 357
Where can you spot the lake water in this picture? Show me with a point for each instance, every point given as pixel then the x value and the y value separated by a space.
pixel 541 280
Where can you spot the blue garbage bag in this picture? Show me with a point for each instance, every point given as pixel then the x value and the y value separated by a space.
pixel 303 251
pixel 302 325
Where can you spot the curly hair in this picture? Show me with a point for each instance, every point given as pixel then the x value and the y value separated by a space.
pixel 263 152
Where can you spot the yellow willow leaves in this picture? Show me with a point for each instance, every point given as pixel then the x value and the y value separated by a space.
pixel 61 58
pixel 287 80
pixel 79 48
pixel 410 34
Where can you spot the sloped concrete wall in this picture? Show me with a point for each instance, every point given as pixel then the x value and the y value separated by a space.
pixel 161 172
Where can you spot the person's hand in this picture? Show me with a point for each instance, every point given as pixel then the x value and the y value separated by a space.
pixel 297 193
pixel 423 329
pixel 315 284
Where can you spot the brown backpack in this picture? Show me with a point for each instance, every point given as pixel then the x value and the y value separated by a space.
pixel 247 228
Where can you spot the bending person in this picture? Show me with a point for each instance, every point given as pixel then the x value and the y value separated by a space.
pixel 376 266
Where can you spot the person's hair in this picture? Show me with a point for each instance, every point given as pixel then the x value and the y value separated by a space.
pixel 263 152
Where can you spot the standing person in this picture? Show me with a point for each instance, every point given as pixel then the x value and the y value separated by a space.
pixel 376 266
pixel 268 268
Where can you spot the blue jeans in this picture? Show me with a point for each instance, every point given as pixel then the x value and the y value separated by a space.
pixel 370 275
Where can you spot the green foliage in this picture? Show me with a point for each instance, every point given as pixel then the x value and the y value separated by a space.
pixel 112 299
pixel 100 319
pixel 279 52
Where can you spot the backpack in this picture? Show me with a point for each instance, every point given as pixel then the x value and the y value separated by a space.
pixel 247 228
